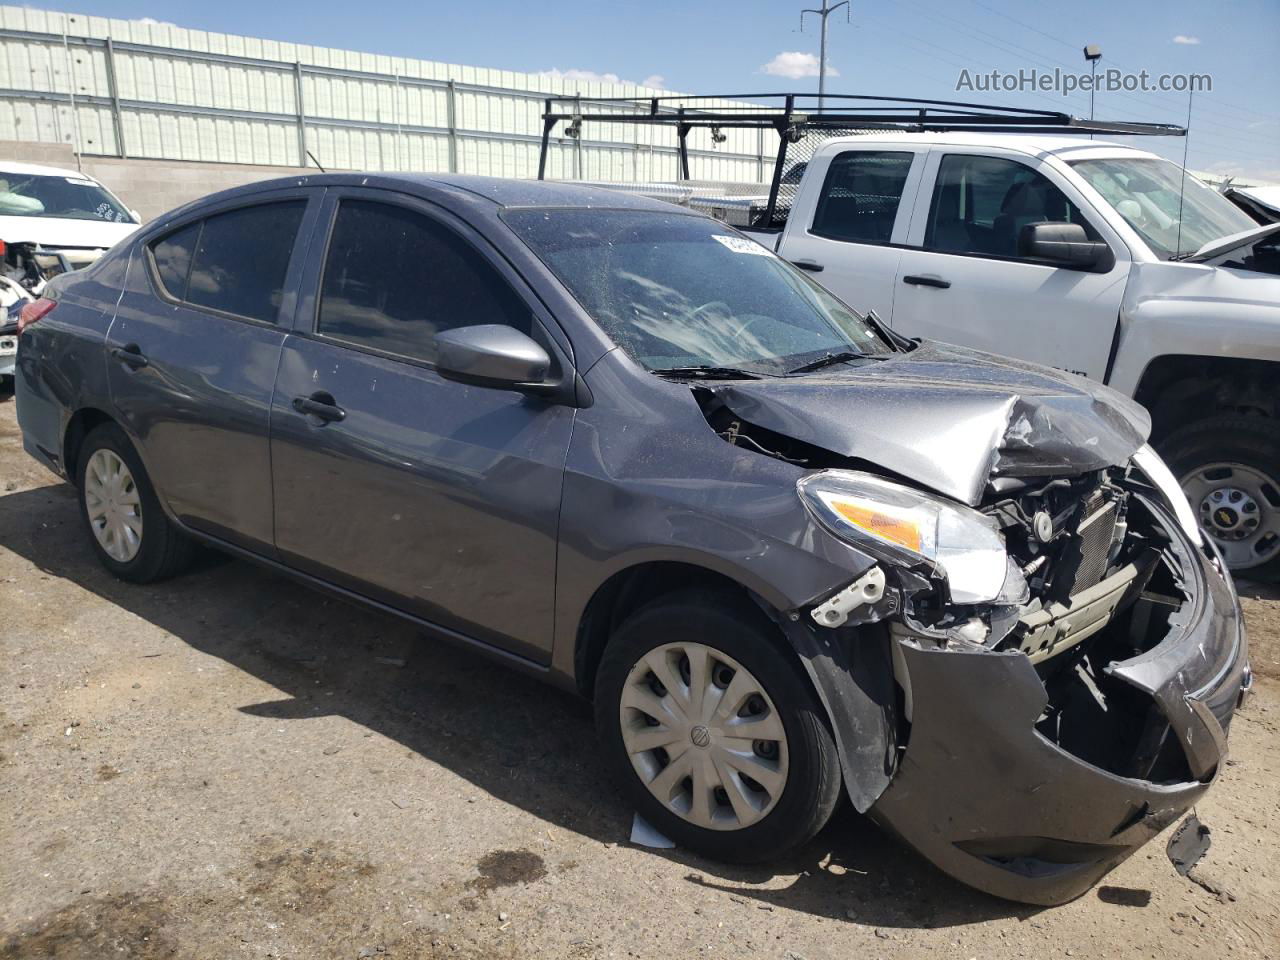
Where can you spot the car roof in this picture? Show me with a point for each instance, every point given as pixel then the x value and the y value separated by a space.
pixel 1034 144
pixel 39 170
pixel 503 192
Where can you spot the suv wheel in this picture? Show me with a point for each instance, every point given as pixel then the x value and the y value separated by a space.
pixel 713 732
pixel 1229 468
pixel 129 530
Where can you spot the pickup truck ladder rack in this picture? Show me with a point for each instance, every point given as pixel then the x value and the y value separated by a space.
pixel 792 115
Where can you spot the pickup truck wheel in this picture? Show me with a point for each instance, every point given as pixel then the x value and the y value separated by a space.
pixel 713 732
pixel 130 532
pixel 1229 468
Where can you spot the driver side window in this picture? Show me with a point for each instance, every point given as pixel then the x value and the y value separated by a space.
pixel 981 205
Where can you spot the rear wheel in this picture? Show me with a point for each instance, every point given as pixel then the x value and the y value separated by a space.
pixel 129 530
pixel 713 732
pixel 1229 468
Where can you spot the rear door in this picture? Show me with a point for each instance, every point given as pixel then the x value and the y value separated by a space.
pixel 436 498
pixel 192 356
pixel 962 280
pixel 855 208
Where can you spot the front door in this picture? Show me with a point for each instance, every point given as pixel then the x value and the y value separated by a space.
pixel 962 279
pixel 192 356
pixel 436 498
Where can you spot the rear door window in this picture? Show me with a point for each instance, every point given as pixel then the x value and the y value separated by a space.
pixel 172 255
pixel 394 278
pixel 233 262
pixel 241 259
pixel 860 196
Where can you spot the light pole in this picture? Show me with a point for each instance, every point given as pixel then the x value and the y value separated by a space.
pixel 824 12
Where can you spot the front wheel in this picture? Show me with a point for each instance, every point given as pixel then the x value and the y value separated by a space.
pixel 713 732
pixel 1229 468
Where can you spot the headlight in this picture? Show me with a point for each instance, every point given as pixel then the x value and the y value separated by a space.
pixel 1149 462
pixel 904 525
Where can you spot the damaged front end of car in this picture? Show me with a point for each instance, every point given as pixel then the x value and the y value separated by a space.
pixel 1030 684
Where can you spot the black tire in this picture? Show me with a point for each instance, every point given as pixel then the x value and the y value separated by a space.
pixel 165 550
pixel 1250 441
pixel 727 623
pixel 6 387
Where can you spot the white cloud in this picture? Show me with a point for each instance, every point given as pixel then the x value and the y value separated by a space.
pixel 591 76
pixel 794 65
pixel 153 22
pixel 1183 38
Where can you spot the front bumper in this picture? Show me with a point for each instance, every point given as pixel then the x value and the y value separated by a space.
pixel 991 801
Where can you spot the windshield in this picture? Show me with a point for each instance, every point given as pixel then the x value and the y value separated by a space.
pixel 677 291
pixel 1148 193
pixel 70 198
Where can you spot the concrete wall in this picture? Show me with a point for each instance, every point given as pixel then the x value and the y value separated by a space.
pixel 149 186
pixel 135 88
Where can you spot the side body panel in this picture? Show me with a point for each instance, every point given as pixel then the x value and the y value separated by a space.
pixel 1195 309
pixel 436 498
pixel 199 409
pixel 61 363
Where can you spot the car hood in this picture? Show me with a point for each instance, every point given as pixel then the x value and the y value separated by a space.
pixel 949 418
pixel 56 232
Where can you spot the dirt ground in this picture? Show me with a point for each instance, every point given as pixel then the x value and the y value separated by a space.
pixel 230 765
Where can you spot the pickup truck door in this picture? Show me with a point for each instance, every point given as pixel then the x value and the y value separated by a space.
pixel 852 210
pixel 960 279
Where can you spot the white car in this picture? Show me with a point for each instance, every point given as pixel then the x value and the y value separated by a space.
pixel 67 218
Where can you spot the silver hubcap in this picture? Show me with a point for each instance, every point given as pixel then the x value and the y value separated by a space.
pixel 704 736
pixel 1239 506
pixel 114 506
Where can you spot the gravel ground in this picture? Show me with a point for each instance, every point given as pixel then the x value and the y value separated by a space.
pixel 230 765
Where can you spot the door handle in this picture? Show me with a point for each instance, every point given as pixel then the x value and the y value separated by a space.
pixel 319 404
pixel 916 281
pixel 811 265
pixel 131 356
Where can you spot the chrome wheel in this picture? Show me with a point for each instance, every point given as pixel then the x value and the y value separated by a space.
pixel 114 505
pixel 1239 506
pixel 704 736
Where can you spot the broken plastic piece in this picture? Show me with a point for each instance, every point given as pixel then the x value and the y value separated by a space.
pixel 834 611
pixel 1188 844
pixel 644 834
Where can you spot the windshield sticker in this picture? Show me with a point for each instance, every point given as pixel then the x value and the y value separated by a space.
pixel 743 245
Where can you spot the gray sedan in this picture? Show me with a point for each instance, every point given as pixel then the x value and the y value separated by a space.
pixel 787 552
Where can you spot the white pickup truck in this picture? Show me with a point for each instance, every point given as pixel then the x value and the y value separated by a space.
pixel 1092 257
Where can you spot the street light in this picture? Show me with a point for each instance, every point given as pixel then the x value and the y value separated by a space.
pixel 1092 53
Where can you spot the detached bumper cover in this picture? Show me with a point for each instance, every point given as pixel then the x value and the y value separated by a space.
pixel 995 804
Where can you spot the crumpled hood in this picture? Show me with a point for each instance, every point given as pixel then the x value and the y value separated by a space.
pixel 949 418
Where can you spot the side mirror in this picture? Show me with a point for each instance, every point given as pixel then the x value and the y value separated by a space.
pixel 1064 245
pixel 491 355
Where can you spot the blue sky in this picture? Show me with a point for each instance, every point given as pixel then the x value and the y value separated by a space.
pixel 893 48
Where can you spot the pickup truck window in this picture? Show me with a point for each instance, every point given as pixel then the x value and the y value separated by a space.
pixel 860 196
pixel 1153 195
pixel 981 204
pixel 678 291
